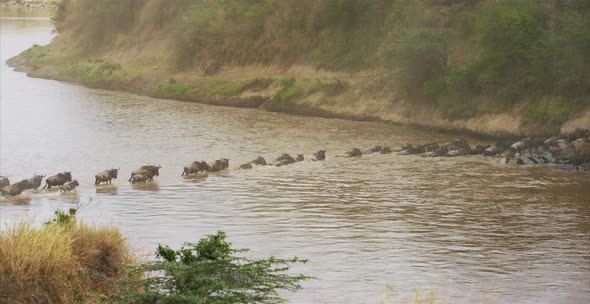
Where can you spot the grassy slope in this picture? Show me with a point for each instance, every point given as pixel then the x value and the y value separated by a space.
pixel 311 76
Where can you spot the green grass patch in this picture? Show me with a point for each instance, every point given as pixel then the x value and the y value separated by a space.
pixel 103 74
pixel 210 87
pixel 293 88
pixel 35 56
pixel 551 109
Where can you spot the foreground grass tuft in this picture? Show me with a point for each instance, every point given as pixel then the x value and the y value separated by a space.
pixel 61 262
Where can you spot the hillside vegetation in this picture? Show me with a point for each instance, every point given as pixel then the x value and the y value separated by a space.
pixel 459 59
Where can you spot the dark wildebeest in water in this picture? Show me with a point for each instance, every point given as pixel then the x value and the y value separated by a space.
pixel 58 180
pixel 106 176
pixel 284 159
pixel 36 180
pixel 260 161
pixel 69 186
pixel 4 181
pixel 195 168
pixel 320 155
pixel 220 164
pixel 16 188
pixel 149 171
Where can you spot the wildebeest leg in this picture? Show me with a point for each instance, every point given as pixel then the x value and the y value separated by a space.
pixel 46 183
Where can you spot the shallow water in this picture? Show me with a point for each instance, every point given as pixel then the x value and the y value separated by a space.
pixel 477 230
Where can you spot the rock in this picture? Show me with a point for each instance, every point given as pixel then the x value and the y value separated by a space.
pixel 563 151
pixel 568 167
pixel 524 160
pixel 246 166
pixel 581 148
pixel 479 149
pixel 578 133
pixel 548 156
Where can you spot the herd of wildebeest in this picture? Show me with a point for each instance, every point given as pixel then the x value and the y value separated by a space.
pixel 570 152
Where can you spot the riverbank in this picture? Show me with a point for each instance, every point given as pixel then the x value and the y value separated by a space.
pixel 297 90
pixel 408 65
pixel 42 4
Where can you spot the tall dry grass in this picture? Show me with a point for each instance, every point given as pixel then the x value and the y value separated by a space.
pixel 61 263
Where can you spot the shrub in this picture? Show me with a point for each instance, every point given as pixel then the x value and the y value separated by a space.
pixel 421 56
pixel 211 272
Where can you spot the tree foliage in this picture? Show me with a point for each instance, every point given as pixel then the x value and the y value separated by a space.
pixel 211 271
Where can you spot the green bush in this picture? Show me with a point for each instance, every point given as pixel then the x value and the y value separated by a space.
pixel 421 55
pixel 555 110
pixel 211 272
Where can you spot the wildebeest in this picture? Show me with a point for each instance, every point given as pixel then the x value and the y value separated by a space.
pixel 4 181
pixel 149 171
pixel 375 149
pixel 246 166
pixel 354 152
pixel 58 180
pixel 259 161
pixel 284 159
pixel 195 167
pixel 218 165
pixel 320 155
pixel 16 188
pixel 385 150
pixel 36 180
pixel 70 186
pixel 106 176
pixel 139 178
pixel 300 157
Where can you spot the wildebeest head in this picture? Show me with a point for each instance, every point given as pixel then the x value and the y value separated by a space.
pixel 68 176
pixel 154 170
pixel 114 172
pixel 224 162
pixel 300 157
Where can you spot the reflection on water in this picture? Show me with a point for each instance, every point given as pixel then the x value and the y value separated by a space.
pixel 106 189
pixel 520 234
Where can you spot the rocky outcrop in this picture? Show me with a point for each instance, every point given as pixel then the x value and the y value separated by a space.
pixel 570 151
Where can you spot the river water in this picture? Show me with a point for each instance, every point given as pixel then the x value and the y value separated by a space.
pixel 472 229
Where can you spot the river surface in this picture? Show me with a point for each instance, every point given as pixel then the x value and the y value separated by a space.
pixel 474 230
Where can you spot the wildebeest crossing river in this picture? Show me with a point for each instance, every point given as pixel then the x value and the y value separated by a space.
pixel 474 228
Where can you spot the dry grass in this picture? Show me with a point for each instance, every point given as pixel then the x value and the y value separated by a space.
pixel 61 263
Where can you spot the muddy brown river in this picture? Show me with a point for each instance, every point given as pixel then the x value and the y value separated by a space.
pixel 474 230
